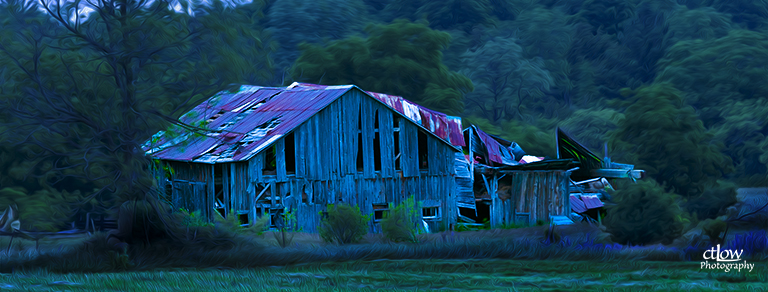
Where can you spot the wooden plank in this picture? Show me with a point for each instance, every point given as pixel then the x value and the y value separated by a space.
pixel 299 147
pixel 258 166
pixel 386 141
pixel 337 138
pixel 225 182
pixel 211 193
pixel 368 113
pixel 280 159
pixel 409 148
pixel 350 115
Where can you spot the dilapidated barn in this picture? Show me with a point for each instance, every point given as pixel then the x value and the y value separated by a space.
pixel 299 148
pixel 505 188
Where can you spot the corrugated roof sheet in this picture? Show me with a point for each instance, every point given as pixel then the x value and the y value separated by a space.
pixel 246 122
pixel 581 204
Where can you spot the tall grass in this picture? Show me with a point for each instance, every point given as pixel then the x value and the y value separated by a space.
pixel 580 242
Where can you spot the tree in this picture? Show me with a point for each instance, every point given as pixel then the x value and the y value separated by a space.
pixel 643 214
pixel 715 73
pixel 458 14
pixel 82 99
pixel 401 58
pixel 666 138
pixel 295 21
pixel 505 81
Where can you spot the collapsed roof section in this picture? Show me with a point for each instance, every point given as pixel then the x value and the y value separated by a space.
pixel 239 125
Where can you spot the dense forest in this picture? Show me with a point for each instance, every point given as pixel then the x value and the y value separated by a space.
pixel 671 86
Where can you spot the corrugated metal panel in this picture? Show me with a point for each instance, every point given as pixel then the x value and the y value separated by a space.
pixel 577 205
pixel 246 122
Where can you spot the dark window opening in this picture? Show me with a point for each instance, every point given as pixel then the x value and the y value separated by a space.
pixel 398 155
pixel 376 152
pixel 290 154
pixel 360 152
pixel 380 211
pixel 270 161
pixel 423 155
pixel 243 218
pixel 430 212
pixel 395 121
pixel 376 119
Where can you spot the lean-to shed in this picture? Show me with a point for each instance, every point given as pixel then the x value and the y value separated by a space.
pixel 509 192
pixel 299 148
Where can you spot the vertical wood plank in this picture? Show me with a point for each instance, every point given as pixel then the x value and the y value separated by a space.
pixel 367 114
pixel 409 148
pixel 280 159
pixel 299 138
pixel 386 141
pixel 225 181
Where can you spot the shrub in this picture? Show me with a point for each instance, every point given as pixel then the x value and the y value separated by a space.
pixel 402 222
pixel 713 201
pixel 714 229
pixel 644 213
pixel 344 224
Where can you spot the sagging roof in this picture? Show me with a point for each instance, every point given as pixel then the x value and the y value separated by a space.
pixel 492 146
pixel 244 123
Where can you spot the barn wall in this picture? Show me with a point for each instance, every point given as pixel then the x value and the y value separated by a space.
pixel 192 186
pixel 523 197
pixel 328 150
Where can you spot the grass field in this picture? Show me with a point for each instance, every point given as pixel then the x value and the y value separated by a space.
pixel 410 275
pixel 489 260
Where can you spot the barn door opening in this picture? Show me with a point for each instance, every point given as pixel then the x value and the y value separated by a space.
pixel 218 189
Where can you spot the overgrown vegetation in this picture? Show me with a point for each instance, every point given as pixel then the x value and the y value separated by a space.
pixel 343 224
pixel 402 222
pixel 644 213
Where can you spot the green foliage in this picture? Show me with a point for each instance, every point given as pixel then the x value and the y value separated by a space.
pixel 644 214
pixel 344 224
pixel 458 14
pixel 194 219
pixel 713 201
pixel 287 224
pixel 606 15
pixel 590 126
pixel 41 210
pixel 665 137
pixel 295 21
pixel 745 139
pixel 714 229
pixel 401 58
pixel 715 73
pixel 402 223
pixel 506 82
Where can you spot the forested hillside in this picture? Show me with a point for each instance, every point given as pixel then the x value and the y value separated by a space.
pixel 675 87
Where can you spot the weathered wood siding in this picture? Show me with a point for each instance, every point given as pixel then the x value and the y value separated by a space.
pixel 326 151
pixel 532 195
pixel 192 186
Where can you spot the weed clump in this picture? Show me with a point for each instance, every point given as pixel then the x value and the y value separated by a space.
pixel 343 224
pixel 402 223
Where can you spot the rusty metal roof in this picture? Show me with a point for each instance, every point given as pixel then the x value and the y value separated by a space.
pixel 243 123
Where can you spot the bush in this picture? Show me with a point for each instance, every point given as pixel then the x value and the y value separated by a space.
pixel 644 214
pixel 713 201
pixel 344 224
pixel 714 229
pixel 402 223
